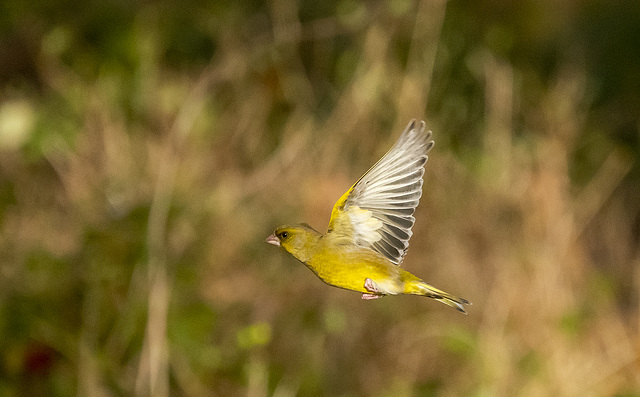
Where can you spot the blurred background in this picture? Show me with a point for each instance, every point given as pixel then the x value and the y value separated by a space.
pixel 148 148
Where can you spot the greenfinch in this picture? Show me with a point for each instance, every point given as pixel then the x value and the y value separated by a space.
pixel 370 228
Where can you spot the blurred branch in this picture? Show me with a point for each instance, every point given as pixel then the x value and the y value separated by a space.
pixel 153 373
pixel 600 189
pixel 416 84
pixel 499 102
pixel 287 31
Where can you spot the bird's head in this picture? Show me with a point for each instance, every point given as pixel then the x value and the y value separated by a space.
pixel 299 240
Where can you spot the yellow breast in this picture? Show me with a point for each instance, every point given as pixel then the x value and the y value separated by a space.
pixel 348 266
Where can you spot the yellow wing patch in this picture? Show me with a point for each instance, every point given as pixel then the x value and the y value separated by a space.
pixel 338 207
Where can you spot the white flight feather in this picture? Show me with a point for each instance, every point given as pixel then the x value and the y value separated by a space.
pixel 383 201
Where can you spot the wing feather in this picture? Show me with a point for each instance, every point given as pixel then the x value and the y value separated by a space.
pixel 377 212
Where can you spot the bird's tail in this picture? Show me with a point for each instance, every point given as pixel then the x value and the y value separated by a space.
pixel 422 288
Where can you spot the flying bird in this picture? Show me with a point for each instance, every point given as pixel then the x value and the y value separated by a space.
pixel 370 228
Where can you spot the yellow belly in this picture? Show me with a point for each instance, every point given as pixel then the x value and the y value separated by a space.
pixel 349 268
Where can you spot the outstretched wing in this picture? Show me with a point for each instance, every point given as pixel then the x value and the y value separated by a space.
pixel 377 211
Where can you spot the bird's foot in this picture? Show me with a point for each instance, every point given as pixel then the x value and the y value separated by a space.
pixel 372 287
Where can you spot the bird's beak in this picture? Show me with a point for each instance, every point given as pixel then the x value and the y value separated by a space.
pixel 273 240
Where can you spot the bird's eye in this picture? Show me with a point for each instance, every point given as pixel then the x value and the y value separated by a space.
pixel 284 235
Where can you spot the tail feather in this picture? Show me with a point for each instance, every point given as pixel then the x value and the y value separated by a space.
pixel 441 296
